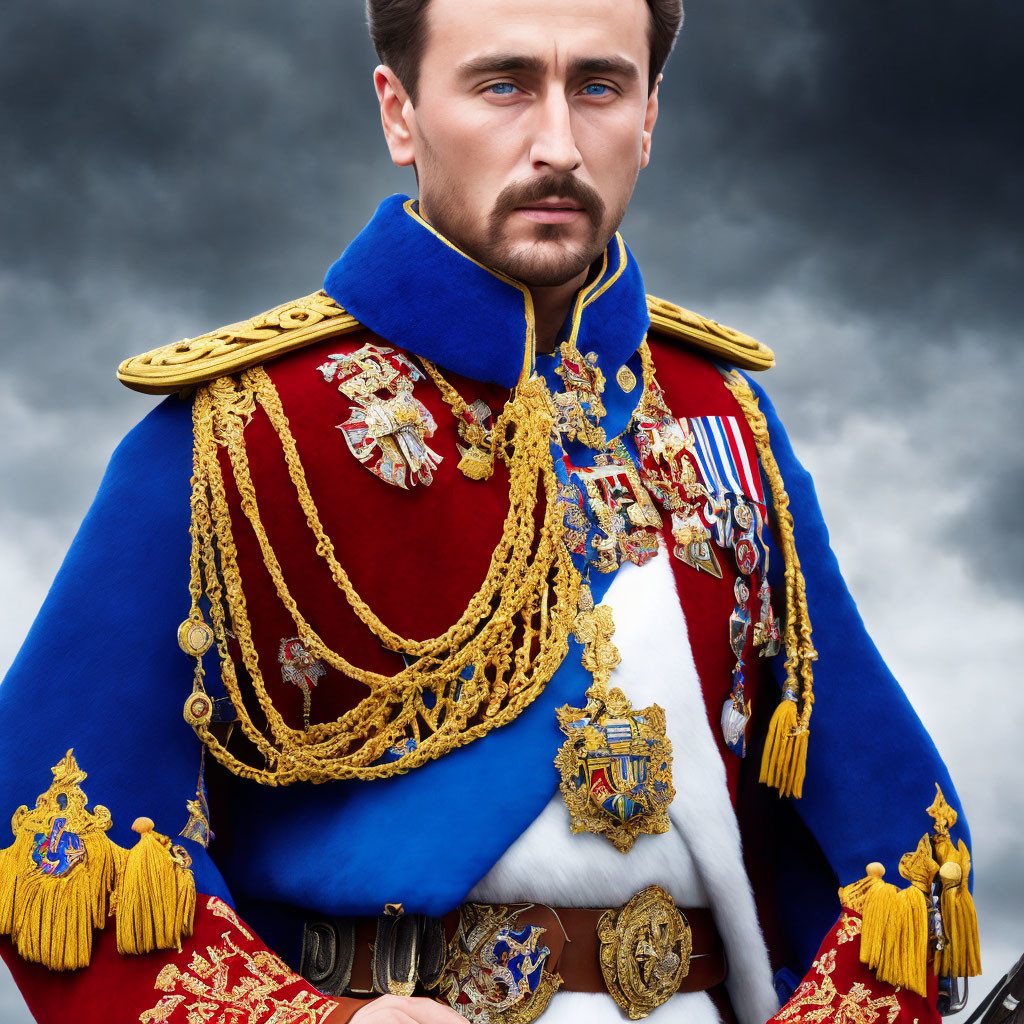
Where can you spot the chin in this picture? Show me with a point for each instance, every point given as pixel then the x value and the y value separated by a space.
pixel 545 264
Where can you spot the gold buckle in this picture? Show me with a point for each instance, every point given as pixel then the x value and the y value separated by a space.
pixel 645 951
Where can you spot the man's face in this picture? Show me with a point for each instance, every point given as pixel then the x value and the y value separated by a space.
pixel 531 124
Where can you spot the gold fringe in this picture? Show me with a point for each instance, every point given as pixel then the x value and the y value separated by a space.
pixel 51 917
pixel 10 858
pixel 156 899
pixel 783 764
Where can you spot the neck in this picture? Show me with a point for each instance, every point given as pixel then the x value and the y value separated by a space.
pixel 551 306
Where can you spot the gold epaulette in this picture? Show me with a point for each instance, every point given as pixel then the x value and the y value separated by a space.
pixel 712 337
pixel 186 364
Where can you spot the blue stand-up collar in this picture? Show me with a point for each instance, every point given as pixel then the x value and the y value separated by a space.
pixel 411 286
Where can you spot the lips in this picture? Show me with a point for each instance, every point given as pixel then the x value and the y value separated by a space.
pixel 551 211
pixel 554 203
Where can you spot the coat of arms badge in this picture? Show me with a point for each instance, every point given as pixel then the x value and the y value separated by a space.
pixel 616 768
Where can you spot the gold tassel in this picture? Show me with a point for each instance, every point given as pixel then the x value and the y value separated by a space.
pixel 57 877
pixel 856 895
pixel 784 762
pixel 894 932
pixel 155 901
pixel 961 956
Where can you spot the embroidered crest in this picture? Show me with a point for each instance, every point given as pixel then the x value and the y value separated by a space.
pixel 496 970
pixel 388 426
pixel 616 768
pixel 301 669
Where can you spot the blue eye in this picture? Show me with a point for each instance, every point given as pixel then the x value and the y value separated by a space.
pixel 501 88
pixel 595 89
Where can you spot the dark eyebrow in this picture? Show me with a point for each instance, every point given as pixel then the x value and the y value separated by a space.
pixel 500 63
pixel 505 63
pixel 582 67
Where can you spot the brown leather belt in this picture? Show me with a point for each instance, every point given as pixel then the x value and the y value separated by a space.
pixel 627 951
pixel 579 964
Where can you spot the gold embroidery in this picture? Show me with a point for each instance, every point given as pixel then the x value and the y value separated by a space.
pixel 817 1001
pixel 849 928
pixel 191 362
pixel 221 909
pixel 206 991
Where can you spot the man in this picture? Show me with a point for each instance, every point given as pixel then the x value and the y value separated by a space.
pixel 450 522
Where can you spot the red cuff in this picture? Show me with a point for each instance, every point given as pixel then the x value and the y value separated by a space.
pixel 839 989
pixel 224 969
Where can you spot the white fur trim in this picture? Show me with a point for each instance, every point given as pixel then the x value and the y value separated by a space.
pixel 600 1008
pixel 657 665
pixel 698 861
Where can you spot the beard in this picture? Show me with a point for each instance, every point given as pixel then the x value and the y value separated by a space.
pixel 550 256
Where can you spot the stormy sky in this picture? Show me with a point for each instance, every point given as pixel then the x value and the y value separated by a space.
pixel 840 179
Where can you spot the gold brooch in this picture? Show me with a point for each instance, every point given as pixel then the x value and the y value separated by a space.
pixel 645 951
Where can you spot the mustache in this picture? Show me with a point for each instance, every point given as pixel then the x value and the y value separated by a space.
pixel 551 186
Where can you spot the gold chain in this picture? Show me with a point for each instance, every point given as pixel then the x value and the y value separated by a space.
pixel 482 672
pixel 449 393
pixel 477 462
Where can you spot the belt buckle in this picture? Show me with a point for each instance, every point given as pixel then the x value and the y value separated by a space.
pixel 645 951
pixel 497 971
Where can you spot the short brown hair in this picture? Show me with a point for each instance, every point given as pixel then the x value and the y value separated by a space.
pixel 398 31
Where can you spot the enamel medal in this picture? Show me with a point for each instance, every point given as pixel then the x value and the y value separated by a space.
pixel 388 426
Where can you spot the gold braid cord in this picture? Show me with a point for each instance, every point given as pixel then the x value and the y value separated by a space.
pixel 481 673
pixel 785 752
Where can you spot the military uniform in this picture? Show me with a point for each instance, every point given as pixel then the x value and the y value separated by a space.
pixel 473 639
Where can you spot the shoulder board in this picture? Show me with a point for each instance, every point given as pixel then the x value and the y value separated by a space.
pixel 189 363
pixel 672 321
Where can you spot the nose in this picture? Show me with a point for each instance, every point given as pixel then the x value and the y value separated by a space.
pixel 553 146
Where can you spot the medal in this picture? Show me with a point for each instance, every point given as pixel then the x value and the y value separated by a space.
pixel 616 762
pixel 386 432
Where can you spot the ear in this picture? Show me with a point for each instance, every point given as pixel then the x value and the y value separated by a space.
pixel 396 112
pixel 650 117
